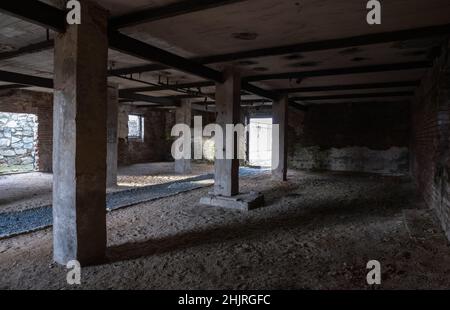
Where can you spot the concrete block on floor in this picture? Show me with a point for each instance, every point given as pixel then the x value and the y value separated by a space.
pixel 241 202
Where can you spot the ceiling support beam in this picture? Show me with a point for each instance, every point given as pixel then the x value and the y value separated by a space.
pixel 55 21
pixel 171 86
pixel 136 48
pixel 150 99
pixel 139 69
pixel 340 71
pixel 18 78
pixel 356 96
pixel 316 89
pixel 36 12
pixel 369 39
pixel 12 86
pixel 167 11
pixel 350 87
pixel 50 17
pixel 133 47
pixel 202 84
pixel 29 49
pixel 23 80
pixel 377 38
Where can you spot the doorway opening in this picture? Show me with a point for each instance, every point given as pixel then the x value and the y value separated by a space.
pixel 260 142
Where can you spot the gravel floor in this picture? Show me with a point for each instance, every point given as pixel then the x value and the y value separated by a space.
pixel 317 231
pixel 18 222
pixel 20 192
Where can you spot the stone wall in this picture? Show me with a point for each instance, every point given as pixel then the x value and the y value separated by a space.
pixel 39 104
pixel 361 137
pixel 430 162
pixel 18 133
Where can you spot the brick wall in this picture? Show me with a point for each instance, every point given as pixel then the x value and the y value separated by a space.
pixel 41 105
pixel 45 137
pixel 364 137
pixel 157 142
pixel 430 162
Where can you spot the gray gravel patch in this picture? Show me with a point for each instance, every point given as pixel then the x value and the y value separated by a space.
pixel 19 222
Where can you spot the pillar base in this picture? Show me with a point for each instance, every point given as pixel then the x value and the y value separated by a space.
pixel 240 202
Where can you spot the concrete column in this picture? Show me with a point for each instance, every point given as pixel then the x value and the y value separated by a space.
pixel 183 115
pixel 279 139
pixel 228 101
pixel 79 157
pixel 112 124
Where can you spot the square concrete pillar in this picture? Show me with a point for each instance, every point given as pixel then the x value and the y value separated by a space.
pixel 228 104
pixel 183 115
pixel 79 156
pixel 226 187
pixel 279 138
pixel 112 124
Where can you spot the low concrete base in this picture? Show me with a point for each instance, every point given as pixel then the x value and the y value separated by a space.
pixel 241 202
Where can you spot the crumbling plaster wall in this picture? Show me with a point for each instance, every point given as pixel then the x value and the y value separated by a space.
pixel 361 137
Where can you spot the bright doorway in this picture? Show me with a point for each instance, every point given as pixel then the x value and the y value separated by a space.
pixel 260 142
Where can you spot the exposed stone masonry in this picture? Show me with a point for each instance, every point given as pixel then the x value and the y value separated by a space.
pixel 17 142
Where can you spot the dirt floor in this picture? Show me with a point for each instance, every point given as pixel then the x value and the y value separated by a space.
pixel 317 231
pixel 31 190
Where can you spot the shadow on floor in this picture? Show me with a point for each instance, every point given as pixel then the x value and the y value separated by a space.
pixel 305 214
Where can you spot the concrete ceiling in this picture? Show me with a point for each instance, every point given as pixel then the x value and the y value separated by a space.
pixel 249 25
pixel 282 22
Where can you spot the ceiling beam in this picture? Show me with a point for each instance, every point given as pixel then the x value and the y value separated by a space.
pixel 341 71
pixel 377 38
pixel 171 86
pixel 260 92
pixel 136 48
pixel 28 49
pixel 28 80
pixel 139 69
pixel 17 78
pixel 12 86
pixel 282 90
pixel 36 12
pixel 251 102
pixel 133 47
pixel 313 89
pixel 349 87
pixel 341 43
pixel 54 17
pixel 149 99
pixel 355 96
pixel 156 106
pixel 50 17
pixel 167 11
pixel 23 80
